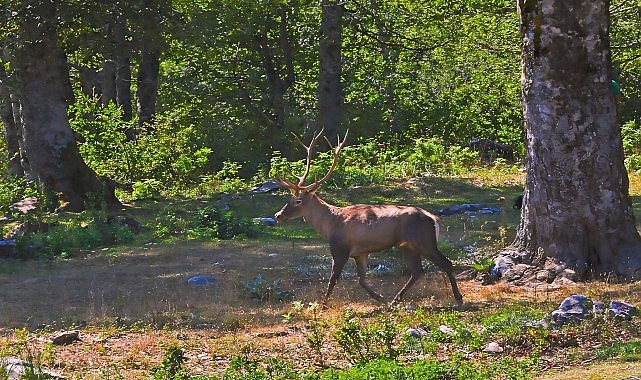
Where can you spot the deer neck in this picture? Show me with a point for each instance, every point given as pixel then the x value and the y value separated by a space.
pixel 321 216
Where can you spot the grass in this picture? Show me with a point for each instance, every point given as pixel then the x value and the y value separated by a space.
pixel 139 318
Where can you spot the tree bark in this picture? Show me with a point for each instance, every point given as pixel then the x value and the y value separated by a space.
pixel 108 85
pixel 11 132
pixel 45 92
pixel 330 94
pixel 123 87
pixel 577 220
pixel 151 43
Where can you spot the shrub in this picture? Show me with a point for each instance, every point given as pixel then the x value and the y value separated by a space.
pixel 213 223
pixel 261 290
pixel 362 344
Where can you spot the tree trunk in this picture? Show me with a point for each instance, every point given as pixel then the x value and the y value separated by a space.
pixel 280 75
pixel 45 91
pixel 11 131
pixel 330 94
pixel 108 85
pixel 147 92
pixel 577 220
pixel 151 43
pixel 123 87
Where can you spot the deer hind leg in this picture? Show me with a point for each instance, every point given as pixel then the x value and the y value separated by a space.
pixel 446 265
pixel 416 270
pixel 361 269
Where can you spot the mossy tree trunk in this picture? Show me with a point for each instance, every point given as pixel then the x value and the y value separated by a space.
pixel 577 220
pixel 45 92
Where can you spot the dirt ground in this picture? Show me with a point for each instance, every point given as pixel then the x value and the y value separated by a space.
pixel 151 283
pixel 100 293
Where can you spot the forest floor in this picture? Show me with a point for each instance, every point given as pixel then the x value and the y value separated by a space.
pixel 214 324
pixel 131 303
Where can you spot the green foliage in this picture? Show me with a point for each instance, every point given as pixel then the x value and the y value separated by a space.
pixel 63 236
pixel 212 223
pixel 483 265
pixel 243 367
pixel 631 135
pixel 364 343
pixel 261 290
pixel 629 351
pixel 375 161
pixel 315 327
pixel 146 189
pixel 169 154
pixel 14 189
pixel 225 180
pixel 171 367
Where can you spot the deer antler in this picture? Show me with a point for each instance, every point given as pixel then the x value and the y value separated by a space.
pixel 300 187
pixel 310 151
pixel 335 151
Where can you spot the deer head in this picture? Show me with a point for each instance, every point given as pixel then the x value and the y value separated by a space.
pixel 301 193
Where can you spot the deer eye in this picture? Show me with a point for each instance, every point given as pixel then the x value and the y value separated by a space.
pixel 297 201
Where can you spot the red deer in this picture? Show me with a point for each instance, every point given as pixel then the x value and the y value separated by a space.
pixel 358 230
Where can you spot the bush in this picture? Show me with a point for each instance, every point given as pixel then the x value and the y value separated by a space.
pixel 213 223
pixel 362 344
pixel 166 152
pixel 261 290
pixel 58 238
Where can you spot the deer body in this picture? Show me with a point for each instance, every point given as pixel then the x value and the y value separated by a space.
pixel 358 230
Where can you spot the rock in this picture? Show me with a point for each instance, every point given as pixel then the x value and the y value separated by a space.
pixel 381 269
pixel 7 247
pixel 598 308
pixel 132 224
pixel 416 333
pixel 25 205
pixel 65 337
pixel 266 187
pixel 266 221
pixel 446 330
pixel 537 324
pixel 468 208
pixel 201 280
pixel 493 348
pixel 573 309
pixel 502 264
pixel 516 272
pixel 12 368
pixel 621 310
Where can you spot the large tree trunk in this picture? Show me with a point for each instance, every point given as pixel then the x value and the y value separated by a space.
pixel 45 91
pixel 330 94
pixel 577 219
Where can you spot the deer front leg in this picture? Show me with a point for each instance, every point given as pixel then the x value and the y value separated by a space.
pixel 361 268
pixel 416 270
pixel 338 262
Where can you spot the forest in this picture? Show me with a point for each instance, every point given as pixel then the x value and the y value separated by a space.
pixel 137 135
pixel 165 90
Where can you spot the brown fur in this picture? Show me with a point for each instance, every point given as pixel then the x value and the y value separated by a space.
pixel 358 230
